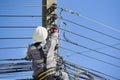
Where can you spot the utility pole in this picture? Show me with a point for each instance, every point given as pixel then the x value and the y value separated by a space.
pixel 49 17
pixel 49 13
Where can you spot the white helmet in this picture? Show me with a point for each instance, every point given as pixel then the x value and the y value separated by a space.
pixel 40 34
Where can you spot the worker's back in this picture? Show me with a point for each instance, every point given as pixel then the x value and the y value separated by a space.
pixel 36 54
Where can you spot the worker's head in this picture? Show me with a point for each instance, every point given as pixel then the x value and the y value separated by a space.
pixel 40 34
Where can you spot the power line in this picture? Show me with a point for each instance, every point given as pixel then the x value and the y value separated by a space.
pixel 61 29
pixel 66 63
pixel 15 64
pixel 81 67
pixel 67 10
pixel 93 50
pixel 89 28
pixel 12 59
pixel 17 70
pixel 12 47
pixel 63 19
pixel 90 39
pixel 90 57
pixel 21 16
pixel 17 26
pixel 16 38
pixel 20 5
pixel 63 40
pixel 89 19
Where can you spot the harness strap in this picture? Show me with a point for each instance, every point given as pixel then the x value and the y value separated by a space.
pixel 46 73
pixel 39 61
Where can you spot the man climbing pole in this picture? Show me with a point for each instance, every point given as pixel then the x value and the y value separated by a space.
pixel 42 54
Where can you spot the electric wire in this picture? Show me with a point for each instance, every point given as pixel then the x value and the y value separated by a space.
pixel 20 5
pixel 117 58
pixel 16 68
pixel 67 40
pixel 15 71
pixel 89 28
pixel 63 40
pixel 17 26
pixel 94 49
pixel 63 9
pixel 70 66
pixel 15 38
pixel 19 68
pixel 12 59
pixel 61 29
pixel 89 19
pixel 90 39
pixel 82 68
pixel 13 47
pixel 83 37
pixel 117 66
pixel 20 47
pixel 21 16
pixel 62 19
pixel 67 67
pixel 12 76
pixel 15 64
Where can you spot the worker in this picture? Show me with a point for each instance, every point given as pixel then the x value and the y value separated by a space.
pixel 42 53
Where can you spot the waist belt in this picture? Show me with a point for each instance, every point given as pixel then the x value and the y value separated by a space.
pixel 39 61
pixel 46 73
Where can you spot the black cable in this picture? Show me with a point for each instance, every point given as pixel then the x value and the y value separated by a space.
pixel 89 19
pixel 21 16
pixel 17 38
pixel 90 39
pixel 93 50
pixel 20 5
pixel 16 68
pixel 15 64
pixel 89 28
pixel 63 40
pixel 12 47
pixel 12 59
pixel 24 70
pixel 67 40
pixel 81 67
pixel 90 57
pixel 61 29
pixel 18 26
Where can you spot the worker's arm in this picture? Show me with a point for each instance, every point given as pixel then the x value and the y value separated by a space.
pixel 28 56
pixel 51 61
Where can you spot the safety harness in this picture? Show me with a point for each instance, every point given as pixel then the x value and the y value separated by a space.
pixel 43 51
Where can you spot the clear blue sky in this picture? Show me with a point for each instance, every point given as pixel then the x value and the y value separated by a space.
pixel 104 11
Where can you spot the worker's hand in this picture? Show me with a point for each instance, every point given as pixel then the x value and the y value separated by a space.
pixel 55 30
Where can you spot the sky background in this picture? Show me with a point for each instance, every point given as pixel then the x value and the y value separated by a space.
pixel 104 11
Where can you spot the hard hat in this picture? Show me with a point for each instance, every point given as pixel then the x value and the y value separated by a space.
pixel 40 34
